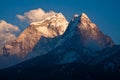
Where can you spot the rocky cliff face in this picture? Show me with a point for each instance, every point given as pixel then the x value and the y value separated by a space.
pixel 50 27
pixel 82 32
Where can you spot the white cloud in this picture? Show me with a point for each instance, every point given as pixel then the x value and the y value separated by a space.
pixel 35 15
pixel 20 17
pixel 6 32
pixel 7 27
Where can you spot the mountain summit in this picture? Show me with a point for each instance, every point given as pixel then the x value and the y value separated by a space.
pixel 81 32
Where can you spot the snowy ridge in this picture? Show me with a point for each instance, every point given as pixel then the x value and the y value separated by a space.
pixel 47 18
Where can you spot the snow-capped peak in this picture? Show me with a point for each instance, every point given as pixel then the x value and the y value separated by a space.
pixel 55 24
pixel 41 21
pixel 58 15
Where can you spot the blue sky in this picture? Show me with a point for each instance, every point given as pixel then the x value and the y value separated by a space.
pixel 105 13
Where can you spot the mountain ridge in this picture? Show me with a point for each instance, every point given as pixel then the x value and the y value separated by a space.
pixel 72 58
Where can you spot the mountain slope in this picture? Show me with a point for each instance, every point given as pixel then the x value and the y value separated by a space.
pixel 82 32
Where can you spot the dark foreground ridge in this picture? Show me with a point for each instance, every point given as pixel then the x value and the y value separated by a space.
pixel 45 68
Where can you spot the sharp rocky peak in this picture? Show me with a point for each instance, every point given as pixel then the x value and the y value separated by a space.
pixel 83 15
pixel 83 32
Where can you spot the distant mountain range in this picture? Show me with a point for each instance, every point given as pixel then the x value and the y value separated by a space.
pixel 74 51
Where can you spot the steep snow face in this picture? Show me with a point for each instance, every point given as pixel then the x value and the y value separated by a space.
pixel 50 27
pixel 82 32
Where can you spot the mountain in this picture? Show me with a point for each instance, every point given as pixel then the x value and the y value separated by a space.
pixel 83 53
pixel 38 32
pixel 81 32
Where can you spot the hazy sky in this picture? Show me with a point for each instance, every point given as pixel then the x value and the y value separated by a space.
pixel 105 13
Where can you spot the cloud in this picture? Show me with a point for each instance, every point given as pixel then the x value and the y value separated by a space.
pixel 35 15
pixel 20 17
pixel 7 27
pixel 7 31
